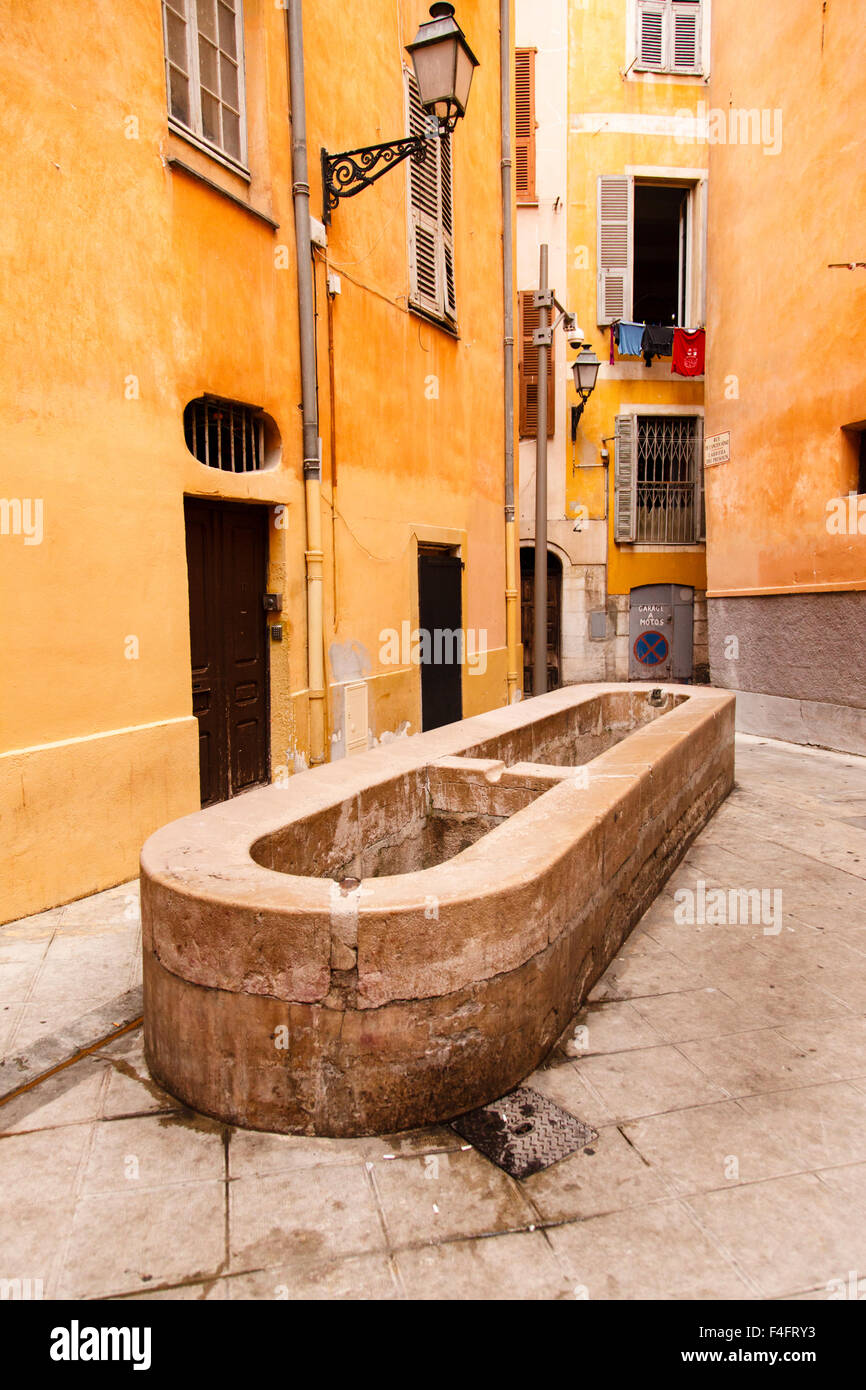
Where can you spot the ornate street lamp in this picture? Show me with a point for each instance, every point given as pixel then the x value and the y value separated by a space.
pixel 585 376
pixel 444 64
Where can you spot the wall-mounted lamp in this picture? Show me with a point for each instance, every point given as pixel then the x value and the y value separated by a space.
pixel 443 64
pixel 585 376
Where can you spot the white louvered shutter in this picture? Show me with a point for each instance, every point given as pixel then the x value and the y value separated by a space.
pixel 625 479
pixel 431 217
pixel 615 202
pixel 652 33
pixel 700 464
pixel 685 49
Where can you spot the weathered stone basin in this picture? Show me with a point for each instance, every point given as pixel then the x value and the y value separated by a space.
pixel 393 939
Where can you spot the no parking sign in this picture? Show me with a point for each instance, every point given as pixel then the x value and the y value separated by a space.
pixel 651 648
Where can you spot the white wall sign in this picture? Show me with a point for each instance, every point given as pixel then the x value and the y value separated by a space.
pixel 717 449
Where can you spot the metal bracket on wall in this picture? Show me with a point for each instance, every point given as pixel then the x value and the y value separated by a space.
pixel 344 175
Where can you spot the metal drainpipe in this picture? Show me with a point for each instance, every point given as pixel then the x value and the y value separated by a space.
pixel 312 467
pixel 511 594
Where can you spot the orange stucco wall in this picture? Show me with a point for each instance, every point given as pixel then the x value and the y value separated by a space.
pixel 129 288
pixel 786 369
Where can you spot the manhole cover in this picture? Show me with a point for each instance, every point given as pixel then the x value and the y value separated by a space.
pixel 524 1132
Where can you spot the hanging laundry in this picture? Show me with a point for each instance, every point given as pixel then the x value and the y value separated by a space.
pixel 629 337
pixel 657 341
pixel 689 352
pixel 613 329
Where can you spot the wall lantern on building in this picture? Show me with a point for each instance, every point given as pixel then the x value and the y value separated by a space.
pixel 443 64
pixel 585 370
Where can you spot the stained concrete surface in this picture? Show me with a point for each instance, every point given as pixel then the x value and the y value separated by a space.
pixel 724 1067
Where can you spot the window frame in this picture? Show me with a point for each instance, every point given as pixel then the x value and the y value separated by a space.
pixel 668 10
pixel 694 182
pixel 624 494
pixel 194 132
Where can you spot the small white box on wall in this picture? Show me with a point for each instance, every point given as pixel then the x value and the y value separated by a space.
pixel 355 710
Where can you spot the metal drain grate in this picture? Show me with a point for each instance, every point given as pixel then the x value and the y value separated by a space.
pixel 524 1132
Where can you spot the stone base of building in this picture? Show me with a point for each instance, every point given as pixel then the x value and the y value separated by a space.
pixel 796 663
pixel 802 721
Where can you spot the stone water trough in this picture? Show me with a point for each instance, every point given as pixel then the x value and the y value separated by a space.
pixel 393 939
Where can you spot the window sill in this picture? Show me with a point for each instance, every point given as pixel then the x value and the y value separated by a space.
pixel 212 151
pixel 174 163
pixel 446 325
pixel 652 547
pixel 672 74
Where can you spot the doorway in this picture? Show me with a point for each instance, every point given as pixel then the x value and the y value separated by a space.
pixel 227 558
pixel 661 633
pixel 554 617
pixel 440 620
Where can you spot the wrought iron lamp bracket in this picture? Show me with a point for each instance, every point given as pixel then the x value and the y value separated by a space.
pixel 344 175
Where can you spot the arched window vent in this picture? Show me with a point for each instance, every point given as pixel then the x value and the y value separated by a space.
pixel 230 436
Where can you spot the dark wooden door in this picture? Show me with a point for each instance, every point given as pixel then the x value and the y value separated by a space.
pixel 527 617
pixel 440 604
pixel 227 552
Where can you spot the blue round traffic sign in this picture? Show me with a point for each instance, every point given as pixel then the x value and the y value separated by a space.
pixel 651 648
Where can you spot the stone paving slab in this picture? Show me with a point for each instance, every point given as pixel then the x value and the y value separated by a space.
pixel 723 1066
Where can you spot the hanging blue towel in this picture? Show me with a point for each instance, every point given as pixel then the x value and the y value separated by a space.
pixel 629 337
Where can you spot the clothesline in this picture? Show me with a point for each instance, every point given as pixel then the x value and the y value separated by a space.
pixel 687 346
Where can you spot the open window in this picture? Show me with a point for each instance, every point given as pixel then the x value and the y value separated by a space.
pixel 646 243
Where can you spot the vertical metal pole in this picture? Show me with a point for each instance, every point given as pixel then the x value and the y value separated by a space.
pixel 539 653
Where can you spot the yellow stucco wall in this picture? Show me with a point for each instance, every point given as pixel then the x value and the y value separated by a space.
pixel 786 332
pixel 598 58
pixel 129 288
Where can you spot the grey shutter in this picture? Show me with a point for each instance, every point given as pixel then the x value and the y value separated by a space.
pixel 447 224
pixel 652 34
pixel 615 202
pixel 685 50
pixel 700 464
pixel 625 479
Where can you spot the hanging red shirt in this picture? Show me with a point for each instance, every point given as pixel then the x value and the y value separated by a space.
pixel 689 352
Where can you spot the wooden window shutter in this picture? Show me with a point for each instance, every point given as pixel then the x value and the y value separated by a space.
pixel 615 219
pixel 700 502
pixel 431 217
pixel 652 34
pixel 524 123
pixel 625 479
pixel 685 51
pixel 528 373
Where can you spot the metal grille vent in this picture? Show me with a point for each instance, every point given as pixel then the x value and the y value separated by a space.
pixel 225 435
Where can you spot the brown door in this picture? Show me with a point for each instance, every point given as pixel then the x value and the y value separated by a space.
pixel 227 551
pixel 527 616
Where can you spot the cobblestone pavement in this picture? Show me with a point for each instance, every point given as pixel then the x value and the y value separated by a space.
pixel 722 1063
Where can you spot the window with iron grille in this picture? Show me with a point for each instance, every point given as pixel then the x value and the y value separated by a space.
pixel 225 435
pixel 431 217
pixel 658 485
pixel 205 73
pixel 669 36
